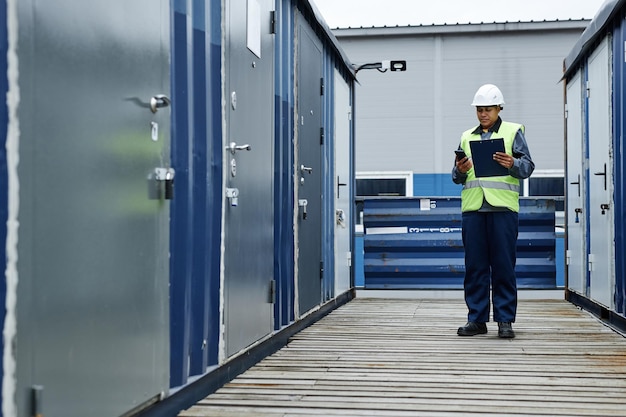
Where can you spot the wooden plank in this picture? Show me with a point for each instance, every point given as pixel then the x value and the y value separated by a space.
pixel 375 357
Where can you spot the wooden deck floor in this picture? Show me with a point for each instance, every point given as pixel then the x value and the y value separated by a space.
pixel 382 357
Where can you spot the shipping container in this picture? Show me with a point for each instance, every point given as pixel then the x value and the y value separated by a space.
pixel 177 180
pixel 594 76
pixel 415 243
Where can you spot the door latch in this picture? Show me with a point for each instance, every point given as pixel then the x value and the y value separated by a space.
pixel 577 211
pixel 303 203
pixel 162 183
pixel 604 208
pixel 233 196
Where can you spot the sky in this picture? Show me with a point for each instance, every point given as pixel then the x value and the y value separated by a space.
pixel 367 13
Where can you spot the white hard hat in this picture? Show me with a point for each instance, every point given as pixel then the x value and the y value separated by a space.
pixel 488 95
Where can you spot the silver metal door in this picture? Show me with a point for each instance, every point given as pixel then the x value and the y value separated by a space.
pixel 248 153
pixel 93 238
pixel 343 185
pixel 601 254
pixel 576 215
pixel 309 168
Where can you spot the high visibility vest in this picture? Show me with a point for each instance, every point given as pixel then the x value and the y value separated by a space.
pixel 498 191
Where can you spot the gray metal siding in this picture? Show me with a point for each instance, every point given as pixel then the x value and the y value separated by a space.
pixel 411 121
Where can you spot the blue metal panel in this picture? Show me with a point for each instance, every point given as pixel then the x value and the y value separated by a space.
pixel 435 185
pixel 416 243
pixel 199 325
pixel 560 259
pixel 214 174
pixel 4 87
pixel 359 276
pixel 196 207
pixel 619 158
pixel 284 156
pixel 181 206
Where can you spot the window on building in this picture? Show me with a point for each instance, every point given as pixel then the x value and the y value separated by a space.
pixel 547 183
pixel 380 187
pixel 381 184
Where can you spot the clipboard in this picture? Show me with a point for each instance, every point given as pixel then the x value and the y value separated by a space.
pixel 482 157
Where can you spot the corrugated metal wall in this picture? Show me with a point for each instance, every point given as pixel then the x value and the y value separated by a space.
pixel 412 243
pixel 412 121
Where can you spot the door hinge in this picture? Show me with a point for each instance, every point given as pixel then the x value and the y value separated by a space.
pixel 273 22
pixel 37 394
pixel 321 269
pixel 321 86
pixel 588 88
pixel 321 135
pixel 272 298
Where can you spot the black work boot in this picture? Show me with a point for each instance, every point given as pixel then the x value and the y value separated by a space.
pixel 505 331
pixel 472 328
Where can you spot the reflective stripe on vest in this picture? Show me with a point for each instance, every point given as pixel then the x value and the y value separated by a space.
pixel 492 184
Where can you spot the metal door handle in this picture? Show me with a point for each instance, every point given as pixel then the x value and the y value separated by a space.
pixel 233 147
pixel 577 183
pixel 158 101
pixel 339 184
pixel 602 173
pixel 304 169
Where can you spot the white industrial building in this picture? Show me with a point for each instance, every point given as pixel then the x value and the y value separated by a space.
pixel 408 123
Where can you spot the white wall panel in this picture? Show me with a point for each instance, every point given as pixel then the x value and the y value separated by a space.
pixel 413 120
